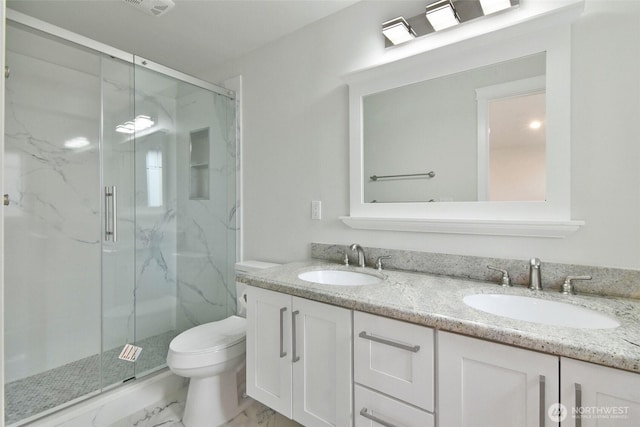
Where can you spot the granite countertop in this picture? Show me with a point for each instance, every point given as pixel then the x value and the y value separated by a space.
pixel 436 302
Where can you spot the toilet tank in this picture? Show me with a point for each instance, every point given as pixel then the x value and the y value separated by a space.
pixel 246 267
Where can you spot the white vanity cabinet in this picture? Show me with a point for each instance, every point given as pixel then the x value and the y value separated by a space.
pixel 299 358
pixel 393 371
pixel 595 395
pixel 481 384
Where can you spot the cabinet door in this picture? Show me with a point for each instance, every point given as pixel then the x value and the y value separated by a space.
pixel 595 395
pixel 321 364
pixel 269 348
pixel 395 358
pixel 486 384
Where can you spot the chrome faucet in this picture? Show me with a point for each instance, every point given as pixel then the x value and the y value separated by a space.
pixel 362 260
pixel 535 281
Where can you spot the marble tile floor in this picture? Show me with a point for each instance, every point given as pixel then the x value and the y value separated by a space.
pixel 32 395
pixel 169 413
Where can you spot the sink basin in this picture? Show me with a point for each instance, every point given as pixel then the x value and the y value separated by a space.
pixel 339 277
pixel 541 311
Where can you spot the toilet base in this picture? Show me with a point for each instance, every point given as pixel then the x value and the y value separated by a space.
pixel 212 401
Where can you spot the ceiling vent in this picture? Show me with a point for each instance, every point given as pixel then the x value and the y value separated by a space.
pixel 152 7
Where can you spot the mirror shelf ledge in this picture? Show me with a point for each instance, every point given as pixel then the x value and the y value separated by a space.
pixel 492 227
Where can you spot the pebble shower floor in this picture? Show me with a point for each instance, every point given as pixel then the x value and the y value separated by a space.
pixel 32 395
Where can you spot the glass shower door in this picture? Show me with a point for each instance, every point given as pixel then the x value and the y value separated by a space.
pixel 185 209
pixel 121 224
pixel 52 224
pixel 61 275
pixel 118 225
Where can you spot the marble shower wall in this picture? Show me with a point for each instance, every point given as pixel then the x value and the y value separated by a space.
pixel 155 219
pixel 206 225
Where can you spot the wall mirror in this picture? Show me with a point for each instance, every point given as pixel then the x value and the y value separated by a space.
pixel 467 139
pixel 483 140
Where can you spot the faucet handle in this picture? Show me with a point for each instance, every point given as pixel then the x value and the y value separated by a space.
pixel 505 280
pixel 567 286
pixel 379 261
pixel 345 258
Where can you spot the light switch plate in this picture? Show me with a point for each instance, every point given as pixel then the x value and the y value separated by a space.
pixel 316 209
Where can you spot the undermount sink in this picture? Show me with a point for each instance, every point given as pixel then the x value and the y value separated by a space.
pixel 339 277
pixel 541 311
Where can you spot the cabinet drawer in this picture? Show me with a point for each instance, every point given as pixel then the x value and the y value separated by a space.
pixel 369 404
pixel 395 358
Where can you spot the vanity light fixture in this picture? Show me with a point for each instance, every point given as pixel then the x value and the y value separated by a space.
pixel 492 6
pixel 141 122
pixel 441 14
pixel 398 31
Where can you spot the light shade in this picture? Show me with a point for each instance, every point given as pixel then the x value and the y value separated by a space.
pixel 442 14
pixel 398 31
pixel 491 6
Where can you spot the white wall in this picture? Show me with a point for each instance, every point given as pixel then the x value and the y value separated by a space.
pixel 296 140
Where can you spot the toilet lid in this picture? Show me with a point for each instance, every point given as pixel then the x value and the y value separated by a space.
pixel 211 336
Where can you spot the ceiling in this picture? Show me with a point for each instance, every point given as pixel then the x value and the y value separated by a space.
pixel 194 36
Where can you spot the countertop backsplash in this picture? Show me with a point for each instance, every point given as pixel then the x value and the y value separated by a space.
pixel 616 282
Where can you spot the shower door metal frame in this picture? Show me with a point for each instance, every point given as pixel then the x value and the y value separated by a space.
pixel 2 66
pixel 64 34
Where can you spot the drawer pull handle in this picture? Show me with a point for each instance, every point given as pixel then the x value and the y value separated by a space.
pixel 375 419
pixel 295 356
pixel 542 381
pixel 413 349
pixel 282 352
pixel 578 405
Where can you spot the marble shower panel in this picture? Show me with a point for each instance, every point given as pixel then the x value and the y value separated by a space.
pixel 206 287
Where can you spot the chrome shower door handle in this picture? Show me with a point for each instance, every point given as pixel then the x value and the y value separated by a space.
pixel 294 355
pixel 110 214
pixel 282 352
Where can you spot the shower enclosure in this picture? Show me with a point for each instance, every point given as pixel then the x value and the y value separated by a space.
pixel 120 227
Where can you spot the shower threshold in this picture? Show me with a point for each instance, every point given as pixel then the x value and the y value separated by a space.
pixel 39 394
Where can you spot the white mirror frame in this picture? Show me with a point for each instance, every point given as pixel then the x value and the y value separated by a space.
pixel 551 218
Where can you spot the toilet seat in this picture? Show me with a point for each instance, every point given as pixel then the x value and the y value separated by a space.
pixel 208 344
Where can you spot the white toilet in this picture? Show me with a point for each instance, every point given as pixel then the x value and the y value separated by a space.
pixel 212 356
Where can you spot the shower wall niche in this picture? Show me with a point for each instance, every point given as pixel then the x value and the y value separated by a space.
pixel 75 295
pixel 199 164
